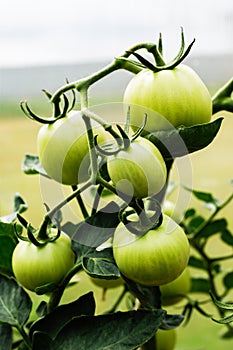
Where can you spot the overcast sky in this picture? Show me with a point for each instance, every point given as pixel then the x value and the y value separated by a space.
pixel 51 31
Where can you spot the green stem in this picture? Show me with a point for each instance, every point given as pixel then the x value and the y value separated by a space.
pixel 58 293
pixel 118 301
pixel 80 203
pixel 199 229
pixel 25 337
pixel 73 195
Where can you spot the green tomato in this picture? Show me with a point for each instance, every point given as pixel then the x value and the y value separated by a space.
pixel 155 258
pixel 35 266
pixel 107 284
pixel 63 149
pixel 138 171
pixel 178 95
pixel 165 339
pixel 174 291
pixel 170 209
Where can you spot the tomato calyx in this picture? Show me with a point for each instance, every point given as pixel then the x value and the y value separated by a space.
pixel 145 222
pixel 37 237
pixel 157 52
pixel 58 113
pixel 123 142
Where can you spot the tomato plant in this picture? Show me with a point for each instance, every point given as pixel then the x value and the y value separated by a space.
pixel 35 266
pixel 128 236
pixel 156 258
pixel 139 170
pixel 63 149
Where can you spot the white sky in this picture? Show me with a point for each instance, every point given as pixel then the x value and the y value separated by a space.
pixel 52 31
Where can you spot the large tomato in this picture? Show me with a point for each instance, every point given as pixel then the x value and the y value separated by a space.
pixel 139 170
pixel 63 148
pixel 35 266
pixel 174 291
pixel 165 339
pixel 155 258
pixel 178 95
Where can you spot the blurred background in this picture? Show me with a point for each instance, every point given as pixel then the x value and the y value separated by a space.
pixel 44 42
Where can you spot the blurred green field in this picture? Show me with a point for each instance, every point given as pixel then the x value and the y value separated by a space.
pixel 212 170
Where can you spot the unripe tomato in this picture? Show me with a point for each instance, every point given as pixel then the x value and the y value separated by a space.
pixel 138 171
pixel 155 258
pixel 35 266
pixel 174 291
pixel 179 95
pixel 63 148
pixel 165 339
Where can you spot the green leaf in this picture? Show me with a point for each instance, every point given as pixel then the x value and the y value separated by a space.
pixel 15 304
pixel 189 213
pixel 228 280
pixel 20 206
pixel 194 223
pixel 184 140
pixel 121 331
pixel 31 165
pixel 212 228
pixel 171 321
pixel 204 196
pixel 197 263
pixel 149 296
pixel 227 237
pixel 220 304
pixel 52 323
pixel 97 228
pixel 8 242
pixel 97 263
pixel 224 320
pixel 5 337
pixel 200 285
pixel 99 267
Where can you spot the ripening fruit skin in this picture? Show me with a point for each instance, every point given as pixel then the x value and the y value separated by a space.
pixel 178 95
pixel 36 266
pixel 165 339
pixel 138 171
pixel 63 148
pixel 156 258
pixel 175 291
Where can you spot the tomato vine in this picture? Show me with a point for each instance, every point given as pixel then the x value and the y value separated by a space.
pixel 76 324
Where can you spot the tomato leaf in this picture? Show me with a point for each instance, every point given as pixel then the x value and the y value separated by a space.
pixel 20 206
pixel 212 228
pixel 227 237
pixel 171 321
pixel 31 166
pixel 200 285
pixel 52 323
pixel 15 303
pixel 5 337
pixel 197 263
pixel 228 281
pixel 97 263
pixel 8 242
pixel 183 140
pixel 121 331
pixel 149 297
pixel 97 228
